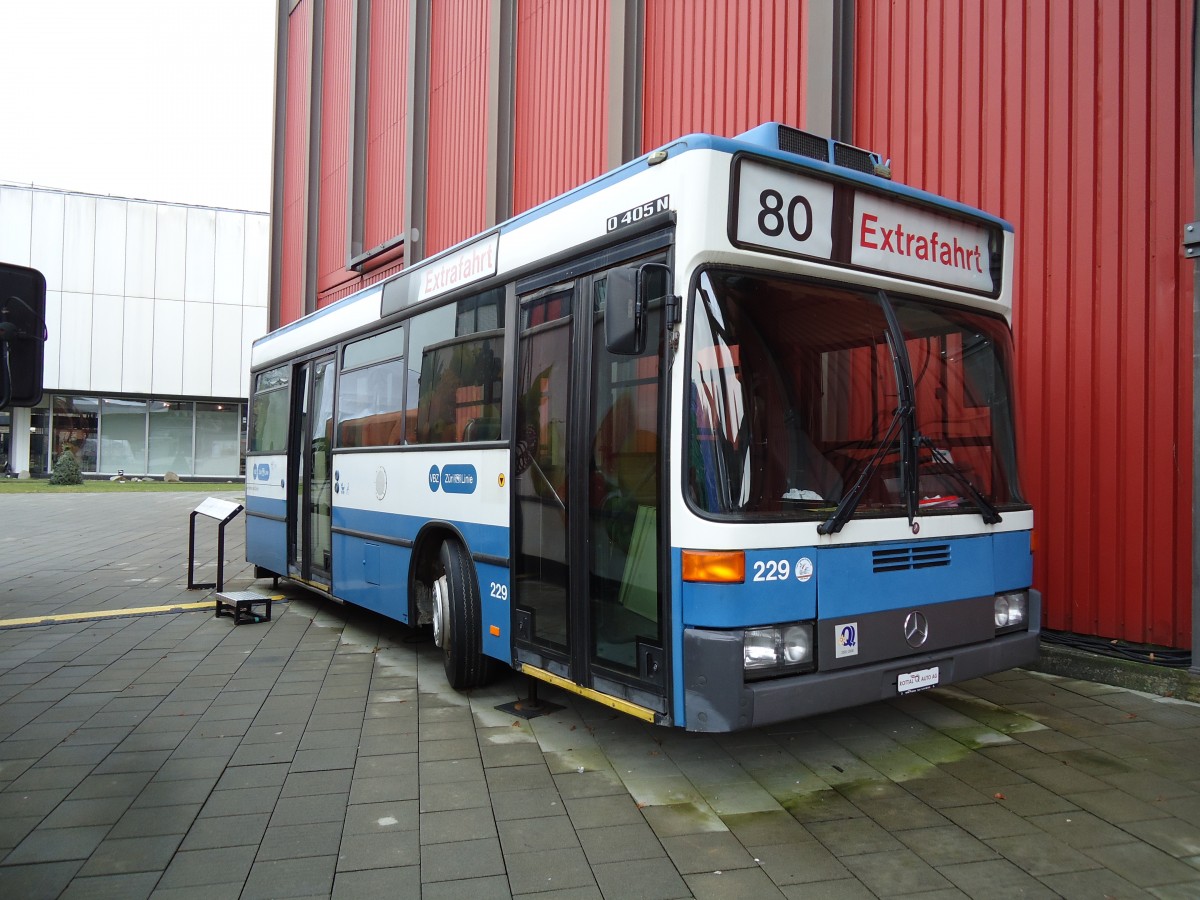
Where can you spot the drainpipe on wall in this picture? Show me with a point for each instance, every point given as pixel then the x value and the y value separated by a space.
pixel 1191 244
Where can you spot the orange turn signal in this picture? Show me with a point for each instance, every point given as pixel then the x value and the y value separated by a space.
pixel 714 566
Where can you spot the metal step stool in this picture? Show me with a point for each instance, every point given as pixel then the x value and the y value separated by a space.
pixel 244 606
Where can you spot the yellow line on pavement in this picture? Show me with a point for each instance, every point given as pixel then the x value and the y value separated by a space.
pixel 107 614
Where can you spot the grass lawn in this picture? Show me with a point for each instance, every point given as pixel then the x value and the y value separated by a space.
pixel 43 486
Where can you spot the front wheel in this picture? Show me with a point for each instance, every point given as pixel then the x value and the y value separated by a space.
pixel 457 619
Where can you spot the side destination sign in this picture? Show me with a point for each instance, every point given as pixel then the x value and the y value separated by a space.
pixel 473 262
pixel 777 209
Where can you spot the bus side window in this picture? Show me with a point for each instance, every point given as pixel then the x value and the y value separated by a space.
pixel 458 351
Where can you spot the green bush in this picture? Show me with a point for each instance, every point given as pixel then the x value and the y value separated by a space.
pixel 66 469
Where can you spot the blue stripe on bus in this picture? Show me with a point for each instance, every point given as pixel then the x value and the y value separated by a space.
pixel 490 540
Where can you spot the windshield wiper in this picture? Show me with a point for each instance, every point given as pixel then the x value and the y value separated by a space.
pixel 850 499
pixel 990 515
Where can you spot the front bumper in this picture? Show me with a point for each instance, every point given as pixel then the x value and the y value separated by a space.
pixel 717 698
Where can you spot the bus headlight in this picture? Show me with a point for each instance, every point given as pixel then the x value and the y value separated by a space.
pixel 777 649
pixel 1012 610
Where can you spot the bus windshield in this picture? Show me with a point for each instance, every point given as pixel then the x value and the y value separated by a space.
pixel 795 397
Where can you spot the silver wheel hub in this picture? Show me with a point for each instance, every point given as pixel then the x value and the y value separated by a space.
pixel 441 611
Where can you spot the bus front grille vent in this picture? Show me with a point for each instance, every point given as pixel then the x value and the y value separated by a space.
pixel 793 140
pixel 903 559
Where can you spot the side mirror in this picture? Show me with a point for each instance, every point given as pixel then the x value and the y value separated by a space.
pixel 630 292
pixel 22 335
pixel 623 313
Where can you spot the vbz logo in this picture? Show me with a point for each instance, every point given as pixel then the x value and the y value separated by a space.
pixel 262 471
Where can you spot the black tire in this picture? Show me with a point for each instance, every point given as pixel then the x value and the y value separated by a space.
pixel 462 642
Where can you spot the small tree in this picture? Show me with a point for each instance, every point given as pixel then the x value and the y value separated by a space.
pixel 66 469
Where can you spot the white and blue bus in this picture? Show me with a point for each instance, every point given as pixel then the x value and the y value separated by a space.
pixel 721 438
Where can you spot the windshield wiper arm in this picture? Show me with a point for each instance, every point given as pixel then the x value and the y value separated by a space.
pixel 850 500
pixel 991 515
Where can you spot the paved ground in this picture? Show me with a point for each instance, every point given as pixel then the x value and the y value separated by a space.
pixel 173 755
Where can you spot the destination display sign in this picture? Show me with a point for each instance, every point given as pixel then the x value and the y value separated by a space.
pixel 777 209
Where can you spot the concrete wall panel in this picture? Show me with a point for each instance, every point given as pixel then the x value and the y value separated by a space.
pixel 110 247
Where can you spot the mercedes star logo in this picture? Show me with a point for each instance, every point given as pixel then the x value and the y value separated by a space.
pixel 916 629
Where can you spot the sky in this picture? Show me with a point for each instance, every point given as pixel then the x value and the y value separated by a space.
pixel 167 100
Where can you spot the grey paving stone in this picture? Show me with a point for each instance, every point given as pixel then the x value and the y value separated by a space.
pixel 127 784
pixel 464 859
pixel 534 776
pixel 1081 829
pixel 36 778
pixel 300 841
pixel 820 806
pixel 379 850
pixel 1174 836
pixel 989 820
pixel 1143 865
pixel 309 784
pixel 175 792
pixel 543 871
pixel 234 778
pixel 539 834
pixel 733 884
pixel 135 886
pixel 133 762
pixel 945 845
pixel 392 815
pixel 44 845
pixel 324 760
pixel 381 766
pixel 401 883
pixel 37 881
pixel 400 786
pixel 494 887
pixel 226 831
pixel 642 879
pixel 995 878
pixel 594 812
pixel 751 829
pixel 155 820
pixel 455 825
pixel 852 836
pixel 74 813
pixel 1033 800
pixel 705 852
pixel 1098 883
pixel 241 802
pixel 515 754
pixel 321 808
pixel 119 856
pixel 799 863
pixel 290 878
pixel 853 889
pixel 474 795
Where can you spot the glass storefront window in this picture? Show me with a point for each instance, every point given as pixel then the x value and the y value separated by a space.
pixel 5 441
pixel 39 439
pixel 75 421
pixel 217 438
pixel 123 437
pixel 170 437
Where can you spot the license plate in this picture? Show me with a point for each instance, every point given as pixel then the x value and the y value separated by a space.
pixel 908 682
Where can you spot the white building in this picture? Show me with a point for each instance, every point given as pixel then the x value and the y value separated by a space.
pixel 151 309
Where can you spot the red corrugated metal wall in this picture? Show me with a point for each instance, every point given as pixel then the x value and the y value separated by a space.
pixel 295 163
pixel 1071 120
pixel 456 186
pixel 335 148
pixel 561 97
pixel 721 67
pixel 387 122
